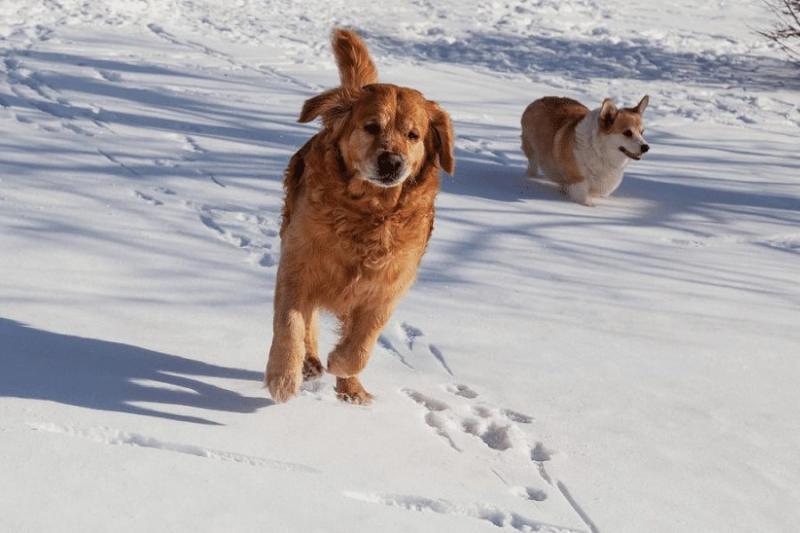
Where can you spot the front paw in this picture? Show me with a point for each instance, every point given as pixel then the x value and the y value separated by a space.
pixel 579 193
pixel 283 386
pixel 312 368
pixel 582 199
pixel 351 390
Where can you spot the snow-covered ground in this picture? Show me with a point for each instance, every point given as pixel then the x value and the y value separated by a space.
pixel 631 367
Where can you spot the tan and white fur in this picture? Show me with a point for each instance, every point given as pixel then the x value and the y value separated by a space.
pixel 585 151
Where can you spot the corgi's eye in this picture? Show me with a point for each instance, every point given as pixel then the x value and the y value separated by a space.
pixel 627 133
pixel 372 129
pixel 413 135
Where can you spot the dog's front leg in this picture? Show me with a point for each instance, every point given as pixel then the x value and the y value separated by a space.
pixel 285 365
pixel 312 367
pixel 360 332
pixel 579 193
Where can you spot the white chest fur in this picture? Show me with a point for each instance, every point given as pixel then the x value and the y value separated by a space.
pixel 600 163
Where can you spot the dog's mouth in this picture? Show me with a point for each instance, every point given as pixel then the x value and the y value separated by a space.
pixel 388 180
pixel 384 181
pixel 372 175
pixel 630 154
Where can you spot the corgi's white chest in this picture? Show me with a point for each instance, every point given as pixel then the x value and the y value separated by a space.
pixel 603 169
pixel 603 184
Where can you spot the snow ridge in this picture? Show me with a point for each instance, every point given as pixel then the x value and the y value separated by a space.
pixel 115 437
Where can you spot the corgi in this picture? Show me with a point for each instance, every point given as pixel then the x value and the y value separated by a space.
pixel 585 151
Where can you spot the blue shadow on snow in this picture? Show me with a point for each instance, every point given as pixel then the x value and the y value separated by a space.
pixel 111 376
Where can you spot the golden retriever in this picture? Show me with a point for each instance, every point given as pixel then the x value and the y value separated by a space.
pixel 357 217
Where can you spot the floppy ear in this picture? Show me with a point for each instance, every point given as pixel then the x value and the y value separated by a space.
pixel 442 131
pixel 331 105
pixel 642 105
pixel 608 112
pixel 324 104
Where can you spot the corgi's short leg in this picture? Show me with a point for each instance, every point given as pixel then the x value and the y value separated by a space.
pixel 579 192
pixel 533 167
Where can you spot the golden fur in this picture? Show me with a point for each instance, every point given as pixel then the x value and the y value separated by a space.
pixel 351 240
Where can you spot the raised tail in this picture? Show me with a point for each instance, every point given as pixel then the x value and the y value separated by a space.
pixel 356 68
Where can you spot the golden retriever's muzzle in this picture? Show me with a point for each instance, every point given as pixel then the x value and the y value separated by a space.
pixel 391 167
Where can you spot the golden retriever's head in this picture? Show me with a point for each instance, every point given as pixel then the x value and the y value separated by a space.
pixel 385 133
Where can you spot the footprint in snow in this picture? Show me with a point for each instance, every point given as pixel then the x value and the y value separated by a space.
pixel 784 241
pixel 486 512
pixel 250 232
pixel 405 342
pixel 496 427
pixel 147 198
pixel 191 147
pixel 498 431
pixel 462 390
pixel 109 75
pixel 529 493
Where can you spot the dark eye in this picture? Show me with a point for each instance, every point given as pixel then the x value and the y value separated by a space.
pixel 627 133
pixel 372 129
pixel 413 135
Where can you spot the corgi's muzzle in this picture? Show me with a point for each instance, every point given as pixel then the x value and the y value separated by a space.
pixel 644 149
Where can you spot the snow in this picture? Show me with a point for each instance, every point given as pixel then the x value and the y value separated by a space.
pixel 630 367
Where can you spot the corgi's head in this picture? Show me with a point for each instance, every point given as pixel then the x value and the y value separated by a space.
pixel 622 130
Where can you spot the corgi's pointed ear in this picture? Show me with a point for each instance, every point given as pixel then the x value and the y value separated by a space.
pixel 443 138
pixel 642 105
pixel 608 112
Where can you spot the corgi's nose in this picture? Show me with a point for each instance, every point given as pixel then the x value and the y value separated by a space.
pixel 645 148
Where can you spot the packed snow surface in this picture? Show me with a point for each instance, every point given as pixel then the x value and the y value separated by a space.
pixel 631 367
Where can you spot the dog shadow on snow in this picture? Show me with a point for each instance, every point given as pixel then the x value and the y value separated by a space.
pixel 111 376
pixel 589 58
pixel 692 195
pixel 674 185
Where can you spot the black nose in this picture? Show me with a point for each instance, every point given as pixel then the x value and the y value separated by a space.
pixel 645 148
pixel 389 164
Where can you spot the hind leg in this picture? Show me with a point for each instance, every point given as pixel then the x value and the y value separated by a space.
pixel 530 153
pixel 533 167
